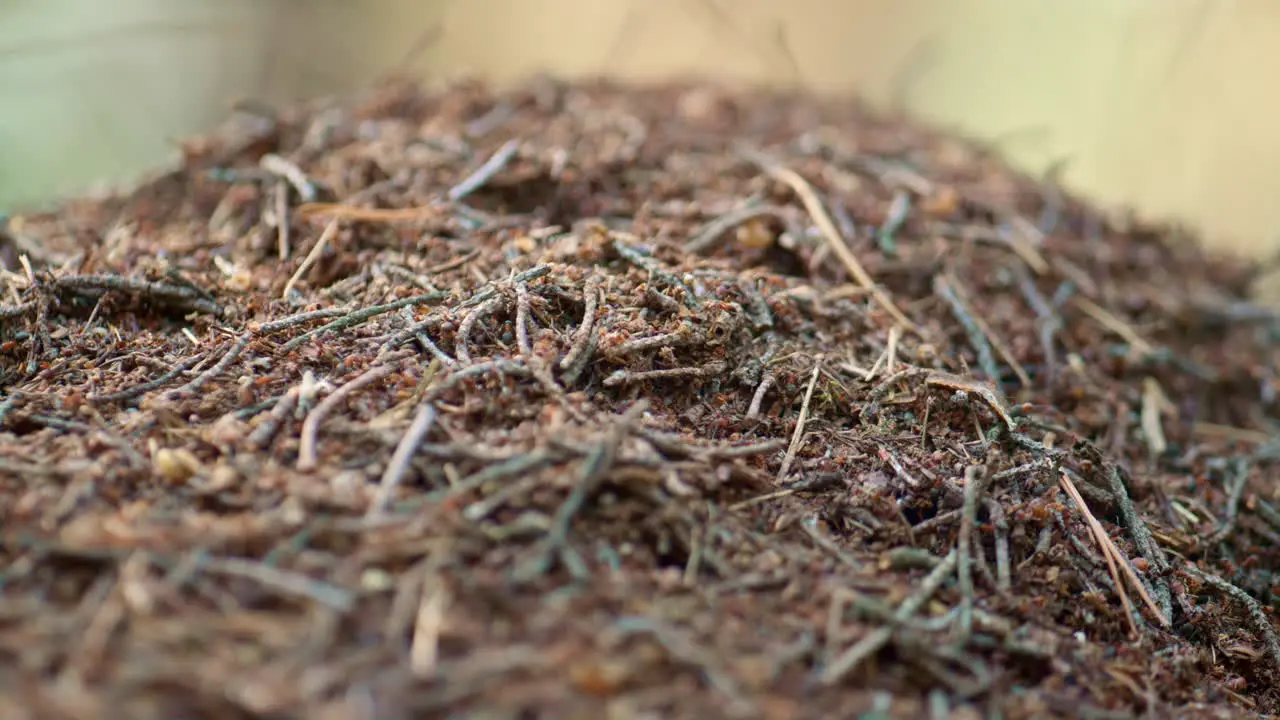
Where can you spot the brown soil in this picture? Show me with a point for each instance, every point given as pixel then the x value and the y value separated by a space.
pixel 606 402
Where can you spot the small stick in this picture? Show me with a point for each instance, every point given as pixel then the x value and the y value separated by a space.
pixel 491 291
pixel 1047 320
pixel 485 172
pixel 973 481
pixel 684 336
pixel 218 368
pixel 9 312
pixel 105 622
pixel 753 410
pixel 263 434
pixel 517 466
pixel 1100 536
pixel 976 337
pixel 277 165
pixel 899 208
pixel 835 671
pixel 187 296
pixel 643 260
pixel 338 598
pixel 142 389
pixel 482 508
pixel 330 231
pixel 424 649
pixel 282 222
pixel 398 466
pixel 1154 404
pixel 898 468
pixel 468 324
pixel 522 319
pixel 311 426
pixel 798 433
pixel 1004 578
pixel 706 237
pixel 683 650
pixel 417 331
pixel 974 387
pixel 1113 553
pixel 1114 324
pixel 1235 491
pixel 890 351
pixel 590 298
pixel 980 331
pixel 294 320
pixel 1138 529
pixel 622 377
pixel 359 316
pixel 595 469
pixel 457 262
pixel 832 235
pixel 348 212
pixel 574 371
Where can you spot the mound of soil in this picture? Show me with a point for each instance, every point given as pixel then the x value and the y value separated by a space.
pixel 601 401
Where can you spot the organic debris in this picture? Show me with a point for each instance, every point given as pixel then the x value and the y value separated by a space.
pixel 585 401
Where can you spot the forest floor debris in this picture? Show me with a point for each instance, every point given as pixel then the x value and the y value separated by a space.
pixel 586 400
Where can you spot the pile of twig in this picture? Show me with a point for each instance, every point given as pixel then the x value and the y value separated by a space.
pixel 575 400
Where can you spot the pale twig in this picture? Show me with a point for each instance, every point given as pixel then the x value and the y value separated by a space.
pixel 311 426
pixel 581 336
pixel 262 435
pixel 1154 405
pixel 766 382
pixel 798 433
pixel 899 469
pixel 395 471
pixel 424 650
pixel 293 320
pixel 832 235
pixel 485 172
pixel 707 236
pixel 457 262
pixel 1000 521
pixel 700 372
pixel 973 481
pixel 1108 320
pixel 338 598
pixel 595 468
pixel 468 324
pixel 330 231
pixel 277 165
pixel 522 319
pixel 1236 482
pixel 282 222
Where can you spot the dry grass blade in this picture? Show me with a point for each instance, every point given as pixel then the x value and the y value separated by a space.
pixel 1113 555
pixel 831 234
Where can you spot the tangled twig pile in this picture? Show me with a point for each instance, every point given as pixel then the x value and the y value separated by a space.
pixel 591 401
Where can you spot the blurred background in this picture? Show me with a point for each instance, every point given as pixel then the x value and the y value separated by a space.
pixel 1158 104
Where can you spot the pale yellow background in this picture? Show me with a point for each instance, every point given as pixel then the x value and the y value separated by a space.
pixel 1165 104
